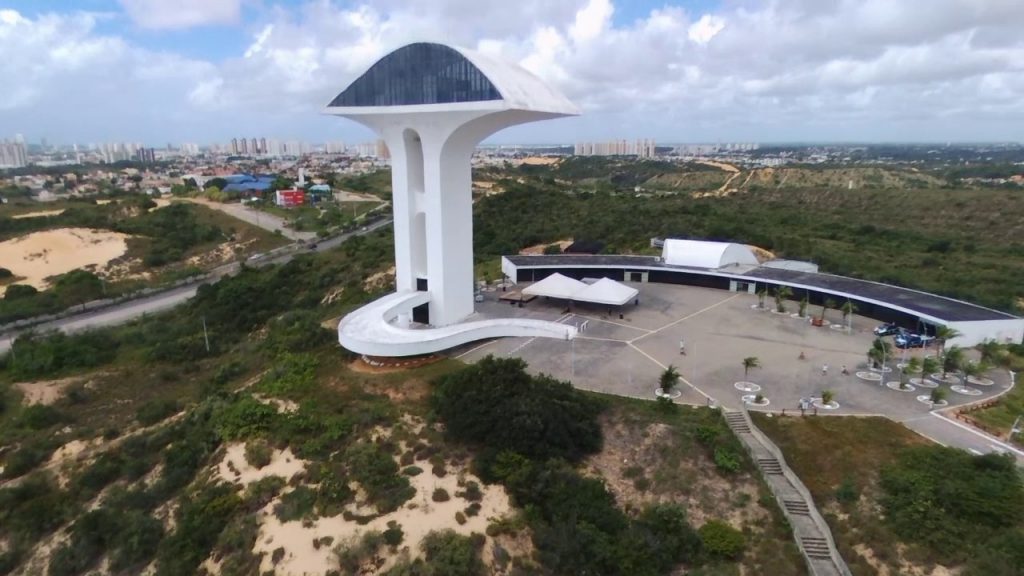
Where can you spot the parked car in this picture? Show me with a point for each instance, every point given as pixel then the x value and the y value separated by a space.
pixel 911 340
pixel 887 329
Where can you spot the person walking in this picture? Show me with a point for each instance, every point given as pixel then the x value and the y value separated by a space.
pixel 824 369
pixel 682 347
pixel 845 371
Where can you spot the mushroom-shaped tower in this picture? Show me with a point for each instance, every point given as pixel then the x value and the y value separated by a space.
pixel 432 104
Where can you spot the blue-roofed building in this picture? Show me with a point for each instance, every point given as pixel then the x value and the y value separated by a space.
pixel 243 183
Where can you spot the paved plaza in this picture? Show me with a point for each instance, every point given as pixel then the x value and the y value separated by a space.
pixel 626 355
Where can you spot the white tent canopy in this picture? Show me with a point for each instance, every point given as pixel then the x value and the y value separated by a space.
pixel 555 286
pixel 606 291
pixel 701 254
pixel 603 291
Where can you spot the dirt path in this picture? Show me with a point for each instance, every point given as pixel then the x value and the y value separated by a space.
pixel 719 165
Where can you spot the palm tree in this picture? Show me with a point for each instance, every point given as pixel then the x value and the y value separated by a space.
pixel 937 396
pixel 748 363
pixel 848 309
pixel 904 383
pixel 913 366
pixel 952 360
pixel 668 380
pixel 929 366
pixel 971 370
pixel 880 350
pixel 803 307
pixel 827 396
pixel 829 303
pixel 992 352
pixel 760 297
pixel 781 293
pixel 944 334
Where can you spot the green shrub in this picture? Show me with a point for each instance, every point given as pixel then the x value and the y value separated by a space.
pixel 412 471
pixel 496 403
pixel 258 453
pixel 727 460
pixel 40 416
pixel 440 495
pixel 393 536
pixel 450 554
pixel 200 520
pixel 156 411
pixel 721 540
pixel 295 505
pixel 377 473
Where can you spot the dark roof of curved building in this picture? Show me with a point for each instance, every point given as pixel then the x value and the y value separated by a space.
pixel 933 305
pixel 421 73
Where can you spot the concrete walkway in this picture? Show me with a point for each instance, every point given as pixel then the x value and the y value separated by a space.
pixel 810 531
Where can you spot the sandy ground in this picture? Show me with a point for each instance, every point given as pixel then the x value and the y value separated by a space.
pixel 417 517
pixel 37 214
pixel 539 248
pixel 347 196
pixel 40 255
pixel 719 165
pixel 540 161
pixel 381 279
pixel 45 391
pixel 283 463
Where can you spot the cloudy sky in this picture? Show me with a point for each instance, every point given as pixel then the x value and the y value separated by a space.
pixel 159 71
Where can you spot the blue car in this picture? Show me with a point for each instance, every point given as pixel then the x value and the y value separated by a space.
pixel 887 329
pixel 910 340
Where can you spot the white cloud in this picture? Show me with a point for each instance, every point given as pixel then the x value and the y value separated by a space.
pixel 176 14
pixel 703 30
pixel 779 70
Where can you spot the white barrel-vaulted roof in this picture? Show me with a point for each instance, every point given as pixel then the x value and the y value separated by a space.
pixel 427 76
pixel 703 254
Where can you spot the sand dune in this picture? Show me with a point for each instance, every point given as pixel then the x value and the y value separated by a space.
pixel 39 255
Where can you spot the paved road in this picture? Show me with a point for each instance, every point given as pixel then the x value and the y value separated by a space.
pixel 132 309
pixel 949 432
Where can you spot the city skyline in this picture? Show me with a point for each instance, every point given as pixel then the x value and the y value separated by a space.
pixel 681 71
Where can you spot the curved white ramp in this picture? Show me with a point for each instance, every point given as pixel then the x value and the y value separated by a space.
pixel 376 330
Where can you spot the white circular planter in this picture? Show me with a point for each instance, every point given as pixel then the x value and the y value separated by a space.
pixel 833 405
pixel 751 399
pixel 959 389
pixel 885 369
pixel 949 379
pixel 837 327
pixel 927 399
pixel 796 315
pixel 923 383
pixel 743 386
pixel 895 385
pixel 757 307
pixel 980 381
pixel 869 376
pixel 671 395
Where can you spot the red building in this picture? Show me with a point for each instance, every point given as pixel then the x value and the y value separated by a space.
pixel 289 198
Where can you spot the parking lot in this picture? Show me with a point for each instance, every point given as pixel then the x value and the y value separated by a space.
pixel 626 355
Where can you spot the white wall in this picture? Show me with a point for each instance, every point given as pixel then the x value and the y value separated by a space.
pixel 1002 331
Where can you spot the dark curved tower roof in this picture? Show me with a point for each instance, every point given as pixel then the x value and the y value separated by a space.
pixel 421 73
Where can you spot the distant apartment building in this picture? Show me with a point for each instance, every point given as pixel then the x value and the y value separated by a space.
pixel 13 154
pixel 334 147
pixel 378 150
pixel 146 155
pixel 644 148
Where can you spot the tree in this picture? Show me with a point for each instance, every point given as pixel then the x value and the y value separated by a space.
pixel 827 397
pixel 944 334
pixel 992 352
pixel 952 360
pixel 848 309
pixel 668 380
pixel 971 370
pixel 78 287
pixel 761 296
pixel 748 363
pixel 880 350
pixel 937 396
pixel 552 249
pixel 781 293
pixel 803 307
pixel 929 366
pixel 497 404
pixel 913 365
pixel 829 303
pixel 18 291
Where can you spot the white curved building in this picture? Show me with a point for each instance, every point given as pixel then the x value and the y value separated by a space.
pixel 704 254
pixel 432 104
